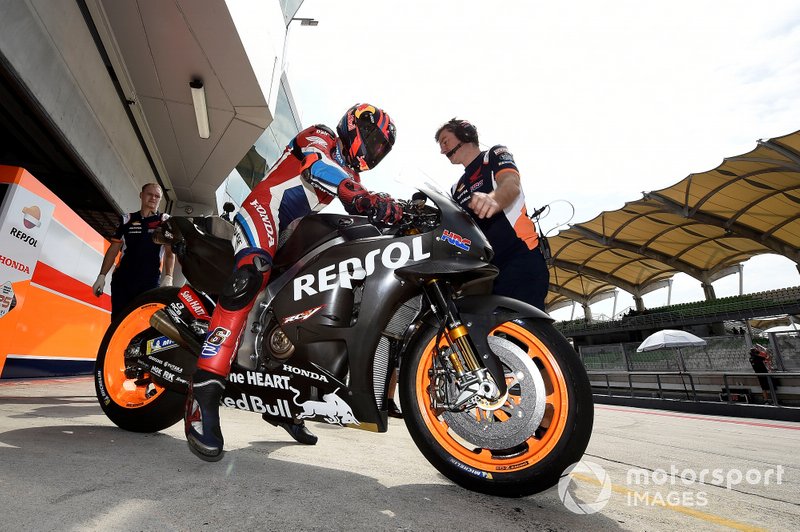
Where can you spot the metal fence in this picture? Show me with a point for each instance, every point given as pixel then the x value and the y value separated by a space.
pixel 721 353
pixel 787 347
pixel 730 387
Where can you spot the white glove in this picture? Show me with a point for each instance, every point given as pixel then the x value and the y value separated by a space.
pixel 99 285
pixel 166 280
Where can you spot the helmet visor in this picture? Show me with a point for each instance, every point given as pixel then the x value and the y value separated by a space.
pixel 375 146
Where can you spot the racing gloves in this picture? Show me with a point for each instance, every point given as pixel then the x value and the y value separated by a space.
pixel 99 285
pixel 378 206
pixel 166 280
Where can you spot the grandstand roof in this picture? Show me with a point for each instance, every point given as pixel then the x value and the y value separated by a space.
pixel 704 226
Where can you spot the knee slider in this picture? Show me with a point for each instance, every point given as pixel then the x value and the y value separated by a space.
pixel 241 288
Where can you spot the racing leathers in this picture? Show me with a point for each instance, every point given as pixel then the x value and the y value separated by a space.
pixel 306 178
pixel 309 174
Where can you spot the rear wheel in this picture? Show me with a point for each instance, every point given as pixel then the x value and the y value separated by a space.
pixel 522 443
pixel 130 399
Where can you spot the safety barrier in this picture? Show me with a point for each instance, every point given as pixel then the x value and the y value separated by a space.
pixel 727 387
pixel 720 354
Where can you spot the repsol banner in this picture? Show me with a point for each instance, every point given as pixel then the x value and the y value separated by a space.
pixel 24 220
pixel 50 321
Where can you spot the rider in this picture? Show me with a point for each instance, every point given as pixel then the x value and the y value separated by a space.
pixel 315 167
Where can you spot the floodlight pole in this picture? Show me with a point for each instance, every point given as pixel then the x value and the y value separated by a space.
pixel 304 21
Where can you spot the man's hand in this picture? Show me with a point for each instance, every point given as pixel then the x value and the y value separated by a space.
pixel 166 280
pixel 358 200
pixel 484 205
pixel 99 285
pixel 385 209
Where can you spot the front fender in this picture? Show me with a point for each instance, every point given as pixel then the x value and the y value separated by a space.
pixel 498 308
pixel 483 313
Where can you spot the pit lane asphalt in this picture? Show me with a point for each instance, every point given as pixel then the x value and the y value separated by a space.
pixel 65 466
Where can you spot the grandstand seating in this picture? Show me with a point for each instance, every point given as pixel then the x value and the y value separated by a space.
pixel 716 372
pixel 721 353
pixel 772 302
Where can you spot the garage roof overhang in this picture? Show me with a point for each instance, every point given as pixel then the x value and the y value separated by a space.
pixel 156 49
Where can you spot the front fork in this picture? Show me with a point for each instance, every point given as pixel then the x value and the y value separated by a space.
pixel 474 381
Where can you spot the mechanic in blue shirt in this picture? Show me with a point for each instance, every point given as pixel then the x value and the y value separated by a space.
pixel 139 267
pixel 490 190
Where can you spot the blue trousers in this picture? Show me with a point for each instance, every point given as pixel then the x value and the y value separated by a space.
pixel 523 276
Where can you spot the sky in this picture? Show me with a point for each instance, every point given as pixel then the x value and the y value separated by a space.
pixel 598 101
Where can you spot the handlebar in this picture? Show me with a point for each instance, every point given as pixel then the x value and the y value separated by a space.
pixel 418 216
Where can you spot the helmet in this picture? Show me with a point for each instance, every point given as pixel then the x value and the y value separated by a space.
pixel 367 134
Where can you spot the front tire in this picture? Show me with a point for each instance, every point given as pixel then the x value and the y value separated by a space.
pixel 131 403
pixel 516 448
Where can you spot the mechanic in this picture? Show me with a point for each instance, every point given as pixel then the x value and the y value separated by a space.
pixel 491 191
pixel 140 265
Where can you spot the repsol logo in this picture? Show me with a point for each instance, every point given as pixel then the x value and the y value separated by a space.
pixel 395 255
pixel 25 237
pixel 262 212
pixel 14 265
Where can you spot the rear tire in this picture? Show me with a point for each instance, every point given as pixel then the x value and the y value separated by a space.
pixel 125 402
pixel 521 447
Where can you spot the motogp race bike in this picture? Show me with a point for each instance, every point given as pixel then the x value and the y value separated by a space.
pixel 494 397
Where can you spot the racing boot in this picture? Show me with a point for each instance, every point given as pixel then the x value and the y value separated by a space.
pixel 394 410
pixel 297 429
pixel 202 415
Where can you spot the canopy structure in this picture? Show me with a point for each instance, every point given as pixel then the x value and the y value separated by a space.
pixel 703 226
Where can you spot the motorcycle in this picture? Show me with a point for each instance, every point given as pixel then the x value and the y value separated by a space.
pixel 492 395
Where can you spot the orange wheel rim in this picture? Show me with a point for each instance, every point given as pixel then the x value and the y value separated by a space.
pixel 121 389
pixel 537 445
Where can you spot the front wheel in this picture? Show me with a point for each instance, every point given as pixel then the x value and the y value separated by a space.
pixel 518 445
pixel 130 399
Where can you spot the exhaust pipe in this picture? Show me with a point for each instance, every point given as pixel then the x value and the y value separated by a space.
pixel 161 322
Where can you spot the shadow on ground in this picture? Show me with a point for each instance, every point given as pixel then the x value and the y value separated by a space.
pixel 99 477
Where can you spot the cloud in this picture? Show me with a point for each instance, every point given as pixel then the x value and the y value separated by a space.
pixel 598 101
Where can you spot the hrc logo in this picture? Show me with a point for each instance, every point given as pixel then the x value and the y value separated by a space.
pixel 456 240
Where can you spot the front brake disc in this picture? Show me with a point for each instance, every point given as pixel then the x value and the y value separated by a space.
pixel 520 412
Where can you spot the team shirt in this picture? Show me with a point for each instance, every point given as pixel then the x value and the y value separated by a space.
pixel 510 231
pixel 141 257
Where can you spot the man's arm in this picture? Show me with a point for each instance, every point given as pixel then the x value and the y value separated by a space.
pixel 315 148
pixel 169 261
pixel 507 190
pixel 108 261
pixel 110 256
pixel 167 267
